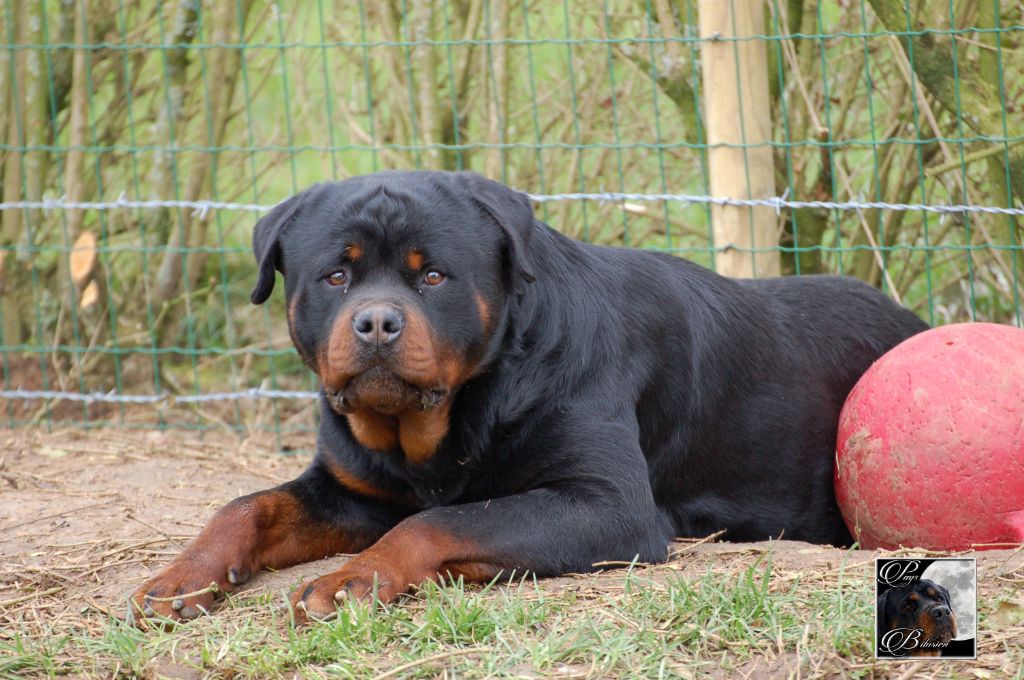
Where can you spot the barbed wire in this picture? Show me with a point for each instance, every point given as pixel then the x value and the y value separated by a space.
pixel 203 207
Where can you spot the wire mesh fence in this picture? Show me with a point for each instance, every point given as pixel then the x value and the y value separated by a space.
pixel 140 141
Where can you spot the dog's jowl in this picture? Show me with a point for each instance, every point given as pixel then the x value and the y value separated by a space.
pixel 497 397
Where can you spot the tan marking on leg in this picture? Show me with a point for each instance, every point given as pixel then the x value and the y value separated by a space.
pixel 271 529
pixel 422 551
pixel 414 552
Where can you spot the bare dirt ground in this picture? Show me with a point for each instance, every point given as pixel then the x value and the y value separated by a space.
pixel 86 516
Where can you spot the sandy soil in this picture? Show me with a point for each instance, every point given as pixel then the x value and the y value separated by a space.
pixel 86 516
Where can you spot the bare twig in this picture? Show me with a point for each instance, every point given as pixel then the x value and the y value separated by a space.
pixel 30 596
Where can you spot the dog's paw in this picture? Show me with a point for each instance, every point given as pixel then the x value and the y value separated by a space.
pixel 360 579
pixel 184 590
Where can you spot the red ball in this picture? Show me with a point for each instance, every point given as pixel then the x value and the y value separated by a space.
pixel 931 442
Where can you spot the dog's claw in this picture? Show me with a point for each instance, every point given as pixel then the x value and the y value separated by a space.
pixel 192 612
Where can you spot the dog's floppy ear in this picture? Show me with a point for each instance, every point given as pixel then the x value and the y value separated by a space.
pixel 883 600
pixel 267 248
pixel 512 211
pixel 881 614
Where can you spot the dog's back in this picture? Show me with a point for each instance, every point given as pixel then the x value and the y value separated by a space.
pixel 738 421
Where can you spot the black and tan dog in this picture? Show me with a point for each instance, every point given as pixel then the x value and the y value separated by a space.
pixel 499 398
pixel 923 606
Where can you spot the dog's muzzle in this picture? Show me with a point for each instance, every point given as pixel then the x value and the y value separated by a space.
pixel 426 399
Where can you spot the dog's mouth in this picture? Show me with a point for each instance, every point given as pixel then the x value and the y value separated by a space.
pixel 945 633
pixel 380 390
pixel 944 628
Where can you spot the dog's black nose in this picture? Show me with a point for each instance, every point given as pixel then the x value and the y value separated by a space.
pixel 378 324
pixel 940 612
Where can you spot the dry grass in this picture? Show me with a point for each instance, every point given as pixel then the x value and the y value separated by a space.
pixel 84 517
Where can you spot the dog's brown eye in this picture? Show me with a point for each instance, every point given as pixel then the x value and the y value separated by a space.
pixel 433 278
pixel 338 278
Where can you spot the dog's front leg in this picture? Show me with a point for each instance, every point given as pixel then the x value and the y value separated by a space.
pixel 306 519
pixel 566 525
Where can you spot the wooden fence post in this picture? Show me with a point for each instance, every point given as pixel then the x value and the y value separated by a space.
pixel 737 111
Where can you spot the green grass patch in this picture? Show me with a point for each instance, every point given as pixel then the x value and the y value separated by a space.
pixel 661 622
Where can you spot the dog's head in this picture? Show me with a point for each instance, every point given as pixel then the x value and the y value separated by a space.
pixel 397 287
pixel 924 605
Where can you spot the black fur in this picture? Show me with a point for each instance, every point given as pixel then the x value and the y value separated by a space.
pixel 622 397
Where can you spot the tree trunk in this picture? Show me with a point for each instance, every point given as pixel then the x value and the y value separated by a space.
pixel 1006 226
pixel 24 172
pixel 222 78
pixel 184 29
pixel 423 26
pixel 496 75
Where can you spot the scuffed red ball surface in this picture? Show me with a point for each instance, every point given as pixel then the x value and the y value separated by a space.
pixel 930 451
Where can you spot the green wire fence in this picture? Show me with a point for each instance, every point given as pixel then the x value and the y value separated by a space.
pixel 140 141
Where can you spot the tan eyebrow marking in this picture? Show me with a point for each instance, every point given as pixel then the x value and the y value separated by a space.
pixel 414 258
pixel 354 252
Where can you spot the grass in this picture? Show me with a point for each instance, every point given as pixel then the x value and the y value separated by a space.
pixel 649 622
pixel 637 625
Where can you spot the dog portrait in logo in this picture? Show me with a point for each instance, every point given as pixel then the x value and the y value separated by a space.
pixel 917 620
pixel 500 399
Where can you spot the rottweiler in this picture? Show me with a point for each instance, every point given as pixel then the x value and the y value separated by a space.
pixel 500 399
pixel 923 606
